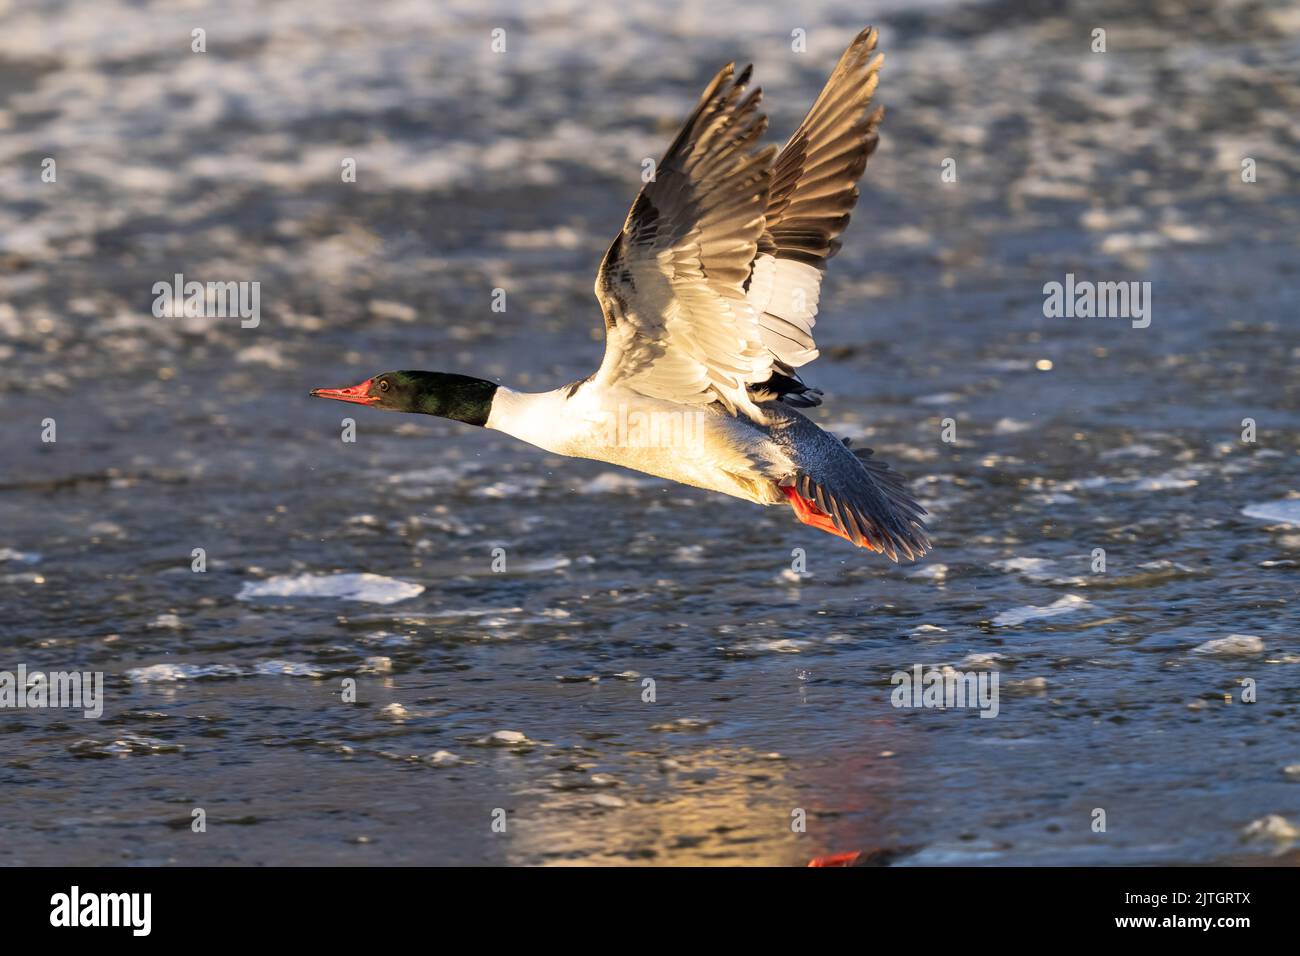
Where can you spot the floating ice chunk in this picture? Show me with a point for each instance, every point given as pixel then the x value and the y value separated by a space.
pixel 776 645
pixel 690 554
pixel 1030 567
pixel 261 354
pixel 561 237
pixel 990 660
pixel 1273 828
pixel 542 564
pixel 26 577
pixel 1057 498
pixel 1234 645
pixel 929 572
pixel 1185 477
pixel 1138 450
pixel 683 723
pixel 165 673
pixel 1086 484
pixel 433 475
pixel 940 398
pixel 1166 482
pixel 1032 685
pixel 614 482
pixel 1286 511
pixel 287 669
pixel 522 486
pixel 387 309
pixel 22 557
pixel 468 612
pixel 1010 426
pixel 442 758
pixel 928 629
pixel 123 746
pixel 372 588
pixel 1039 569
pixel 505 738
pixel 1019 615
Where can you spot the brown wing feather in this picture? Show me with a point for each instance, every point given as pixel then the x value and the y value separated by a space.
pixel 814 188
pixel 672 285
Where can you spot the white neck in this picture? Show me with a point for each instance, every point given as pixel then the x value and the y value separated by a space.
pixel 539 418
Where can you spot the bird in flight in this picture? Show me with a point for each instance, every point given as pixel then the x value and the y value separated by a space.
pixel 709 295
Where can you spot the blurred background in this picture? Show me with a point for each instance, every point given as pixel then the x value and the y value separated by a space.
pixel 478 170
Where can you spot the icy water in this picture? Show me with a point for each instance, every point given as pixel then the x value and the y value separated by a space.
pixel 480 690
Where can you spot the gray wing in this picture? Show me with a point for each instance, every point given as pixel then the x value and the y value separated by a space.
pixel 814 188
pixel 865 498
pixel 678 324
pixel 874 510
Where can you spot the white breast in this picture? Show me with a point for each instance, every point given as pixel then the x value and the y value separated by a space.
pixel 695 445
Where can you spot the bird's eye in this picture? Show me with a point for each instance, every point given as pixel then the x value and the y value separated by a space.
pixel 383 385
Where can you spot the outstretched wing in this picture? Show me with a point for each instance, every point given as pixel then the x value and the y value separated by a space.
pixel 672 286
pixel 814 188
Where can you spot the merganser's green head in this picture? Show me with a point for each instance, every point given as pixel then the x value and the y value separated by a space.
pixel 459 397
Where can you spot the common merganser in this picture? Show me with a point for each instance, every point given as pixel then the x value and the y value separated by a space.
pixel 709 296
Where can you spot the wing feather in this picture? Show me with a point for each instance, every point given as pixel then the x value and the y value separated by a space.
pixel 712 285
pixel 672 285
pixel 814 188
